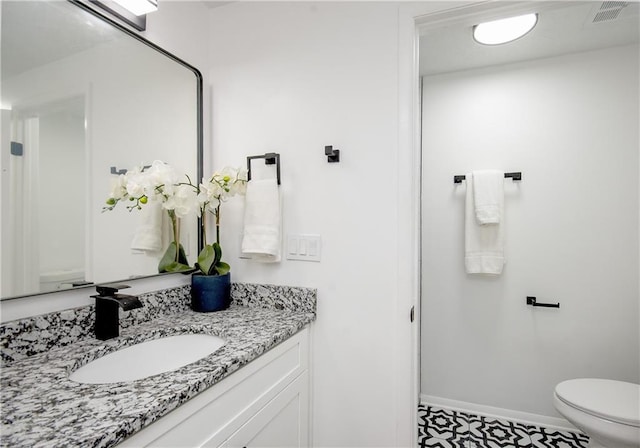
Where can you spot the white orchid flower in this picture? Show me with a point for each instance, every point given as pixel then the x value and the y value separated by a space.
pixel 136 184
pixel 182 201
pixel 118 188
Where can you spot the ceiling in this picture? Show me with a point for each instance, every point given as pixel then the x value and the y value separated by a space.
pixel 562 28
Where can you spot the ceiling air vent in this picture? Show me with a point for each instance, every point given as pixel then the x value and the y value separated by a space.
pixel 609 11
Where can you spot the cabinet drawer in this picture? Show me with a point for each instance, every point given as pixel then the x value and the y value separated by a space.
pixel 282 423
pixel 215 414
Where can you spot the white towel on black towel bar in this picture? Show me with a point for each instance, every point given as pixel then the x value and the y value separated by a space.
pixel 488 195
pixel 262 238
pixel 484 243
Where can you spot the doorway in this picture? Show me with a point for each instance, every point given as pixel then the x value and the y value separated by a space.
pixel 562 113
pixel 47 153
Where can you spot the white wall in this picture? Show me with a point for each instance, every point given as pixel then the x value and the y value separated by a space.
pixel 61 205
pixel 292 78
pixel 570 124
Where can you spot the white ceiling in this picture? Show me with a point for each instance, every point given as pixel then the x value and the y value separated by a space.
pixel 563 27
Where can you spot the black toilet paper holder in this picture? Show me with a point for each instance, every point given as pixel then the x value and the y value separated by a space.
pixel 533 302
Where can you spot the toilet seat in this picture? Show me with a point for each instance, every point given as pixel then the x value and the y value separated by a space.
pixel 616 401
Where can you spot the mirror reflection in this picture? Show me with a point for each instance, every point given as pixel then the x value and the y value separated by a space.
pixel 81 98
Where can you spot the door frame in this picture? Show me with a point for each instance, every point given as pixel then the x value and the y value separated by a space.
pixel 413 19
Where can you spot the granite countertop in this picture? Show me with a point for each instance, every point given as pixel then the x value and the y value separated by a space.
pixel 41 407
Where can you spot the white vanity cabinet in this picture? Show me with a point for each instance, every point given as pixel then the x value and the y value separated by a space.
pixel 264 404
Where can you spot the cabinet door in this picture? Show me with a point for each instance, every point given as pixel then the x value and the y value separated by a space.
pixel 281 423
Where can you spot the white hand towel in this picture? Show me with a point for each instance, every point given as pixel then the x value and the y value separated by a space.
pixel 488 187
pixel 148 236
pixel 262 221
pixel 484 246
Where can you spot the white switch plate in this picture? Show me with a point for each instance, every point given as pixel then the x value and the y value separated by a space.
pixel 304 247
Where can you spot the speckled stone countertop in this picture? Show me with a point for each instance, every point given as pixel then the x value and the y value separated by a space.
pixel 41 407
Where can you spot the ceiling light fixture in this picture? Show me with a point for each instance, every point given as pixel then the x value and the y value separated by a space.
pixel 504 30
pixel 139 7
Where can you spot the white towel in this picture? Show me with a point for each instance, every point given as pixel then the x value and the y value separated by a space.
pixel 488 187
pixel 262 221
pixel 484 246
pixel 148 236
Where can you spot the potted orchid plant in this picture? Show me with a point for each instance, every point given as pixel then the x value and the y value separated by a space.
pixel 210 282
pixel 210 286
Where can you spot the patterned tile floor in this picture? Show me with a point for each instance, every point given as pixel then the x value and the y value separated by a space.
pixel 443 428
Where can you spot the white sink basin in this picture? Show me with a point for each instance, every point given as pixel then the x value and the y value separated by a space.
pixel 147 359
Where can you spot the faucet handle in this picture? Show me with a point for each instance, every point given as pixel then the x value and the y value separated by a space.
pixel 110 289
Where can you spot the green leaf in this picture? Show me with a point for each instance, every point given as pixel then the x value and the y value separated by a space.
pixel 168 258
pixel 168 261
pixel 222 268
pixel 218 250
pixel 182 256
pixel 178 267
pixel 209 260
pixel 206 259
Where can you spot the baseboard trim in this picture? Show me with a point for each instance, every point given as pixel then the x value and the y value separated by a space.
pixel 501 413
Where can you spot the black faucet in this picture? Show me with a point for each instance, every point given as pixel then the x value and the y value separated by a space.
pixel 108 303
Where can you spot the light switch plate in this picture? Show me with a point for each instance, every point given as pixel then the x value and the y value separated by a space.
pixel 304 247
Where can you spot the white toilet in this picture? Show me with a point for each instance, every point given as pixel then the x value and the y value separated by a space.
pixel 607 411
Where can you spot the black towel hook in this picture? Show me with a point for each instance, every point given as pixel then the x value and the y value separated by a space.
pixel 333 155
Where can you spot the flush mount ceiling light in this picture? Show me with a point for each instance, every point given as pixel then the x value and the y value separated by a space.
pixel 139 7
pixel 504 30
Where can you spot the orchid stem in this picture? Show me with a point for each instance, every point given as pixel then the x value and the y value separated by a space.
pixel 176 233
pixel 218 224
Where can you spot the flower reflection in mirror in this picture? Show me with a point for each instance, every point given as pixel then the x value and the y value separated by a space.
pixel 158 184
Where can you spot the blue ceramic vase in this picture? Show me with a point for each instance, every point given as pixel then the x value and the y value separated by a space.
pixel 210 292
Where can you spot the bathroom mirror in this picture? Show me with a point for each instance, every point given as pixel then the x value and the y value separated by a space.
pixel 81 97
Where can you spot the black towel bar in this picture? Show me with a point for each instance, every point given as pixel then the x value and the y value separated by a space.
pixel 515 176
pixel 117 171
pixel 270 158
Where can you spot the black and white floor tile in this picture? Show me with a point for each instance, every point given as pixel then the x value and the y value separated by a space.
pixel 443 428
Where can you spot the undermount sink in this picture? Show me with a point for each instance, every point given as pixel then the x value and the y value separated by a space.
pixel 147 358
